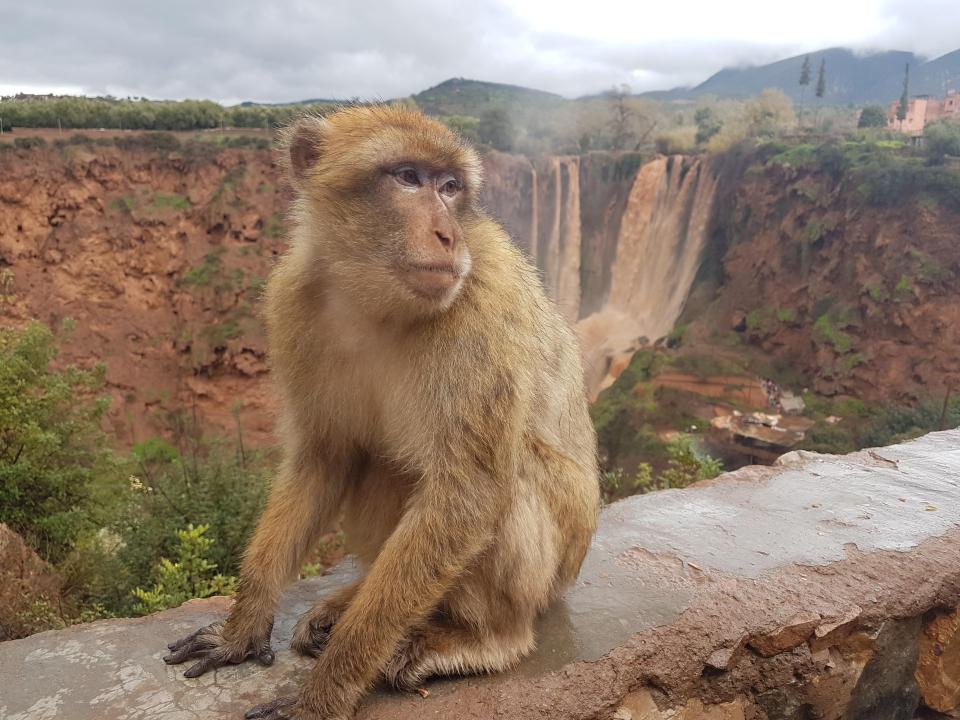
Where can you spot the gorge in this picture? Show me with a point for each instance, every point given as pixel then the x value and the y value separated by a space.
pixel 156 247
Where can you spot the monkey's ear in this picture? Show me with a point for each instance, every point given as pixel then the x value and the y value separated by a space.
pixel 304 141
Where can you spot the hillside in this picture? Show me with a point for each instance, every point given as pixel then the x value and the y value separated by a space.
pixel 459 96
pixel 851 77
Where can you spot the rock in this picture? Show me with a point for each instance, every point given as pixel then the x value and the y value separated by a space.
pixel 938 669
pixel 887 689
pixel 674 580
pixel 787 636
pixel 24 579
pixel 724 658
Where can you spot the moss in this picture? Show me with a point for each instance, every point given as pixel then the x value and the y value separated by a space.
pixel 826 330
pixel 204 274
pixel 173 202
pixel 787 315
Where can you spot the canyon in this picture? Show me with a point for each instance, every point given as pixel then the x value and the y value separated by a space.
pixel 156 248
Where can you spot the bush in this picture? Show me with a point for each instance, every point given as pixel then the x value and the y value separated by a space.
pixel 687 465
pixel 193 575
pixel 872 116
pixel 57 474
pixel 942 140
pixel 678 141
pixel 200 483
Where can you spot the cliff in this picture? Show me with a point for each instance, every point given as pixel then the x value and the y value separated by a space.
pixel 157 248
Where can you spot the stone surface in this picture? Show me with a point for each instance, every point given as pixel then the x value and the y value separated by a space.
pixel 672 578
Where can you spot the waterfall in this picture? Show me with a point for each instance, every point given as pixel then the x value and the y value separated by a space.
pixel 662 235
pixel 618 245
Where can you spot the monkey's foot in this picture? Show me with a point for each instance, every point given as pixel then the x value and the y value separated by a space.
pixel 312 631
pixel 212 650
pixel 409 666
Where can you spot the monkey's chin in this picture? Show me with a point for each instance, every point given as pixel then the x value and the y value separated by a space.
pixel 435 288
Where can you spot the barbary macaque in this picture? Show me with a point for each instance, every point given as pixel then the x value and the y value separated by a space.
pixel 432 404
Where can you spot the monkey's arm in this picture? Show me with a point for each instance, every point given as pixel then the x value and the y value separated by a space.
pixel 452 520
pixel 303 503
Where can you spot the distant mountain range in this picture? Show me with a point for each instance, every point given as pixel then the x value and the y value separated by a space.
pixel 851 77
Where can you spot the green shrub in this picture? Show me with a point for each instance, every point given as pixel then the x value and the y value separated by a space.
pixel 686 465
pixel 942 139
pixel 192 575
pixel 56 470
pixel 827 330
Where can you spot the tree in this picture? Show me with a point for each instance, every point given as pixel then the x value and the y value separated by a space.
pixel 904 97
pixel 621 116
pixel 708 125
pixel 496 129
pixel 872 116
pixel 822 79
pixel 625 120
pixel 804 81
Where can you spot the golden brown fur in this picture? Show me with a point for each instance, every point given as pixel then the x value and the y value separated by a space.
pixel 449 432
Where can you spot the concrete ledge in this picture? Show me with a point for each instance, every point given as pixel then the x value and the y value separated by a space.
pixel 825 587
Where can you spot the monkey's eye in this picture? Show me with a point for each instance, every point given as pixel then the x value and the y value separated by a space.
pixel 451 187
pixel 407 176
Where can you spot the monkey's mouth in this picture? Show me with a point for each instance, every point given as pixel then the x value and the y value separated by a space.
pixel 431 280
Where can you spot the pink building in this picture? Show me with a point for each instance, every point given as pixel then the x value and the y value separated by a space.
pixel 923 110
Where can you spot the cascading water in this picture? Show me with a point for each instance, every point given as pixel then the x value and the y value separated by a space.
pixel 662 235
pixel 641 236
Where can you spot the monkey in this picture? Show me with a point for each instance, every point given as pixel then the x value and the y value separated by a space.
pixel 432 403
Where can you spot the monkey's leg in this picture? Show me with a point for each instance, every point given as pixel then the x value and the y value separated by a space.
pixel 417 566
pixel 303 502
pixel 312 630
pixel 442 648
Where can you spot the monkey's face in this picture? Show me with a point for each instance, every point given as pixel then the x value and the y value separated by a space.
pixel 429 256
pixel 389 193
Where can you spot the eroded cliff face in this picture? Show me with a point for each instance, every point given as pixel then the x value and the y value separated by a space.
pixel 849 298
pixel 158 255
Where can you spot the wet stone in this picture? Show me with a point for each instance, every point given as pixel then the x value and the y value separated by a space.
pixel 799 591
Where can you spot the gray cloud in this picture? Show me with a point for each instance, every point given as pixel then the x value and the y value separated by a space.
pixel 244 49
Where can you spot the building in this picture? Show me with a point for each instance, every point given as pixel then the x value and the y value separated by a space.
pixel 923 110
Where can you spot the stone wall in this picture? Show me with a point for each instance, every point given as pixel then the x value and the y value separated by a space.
pixel 823 587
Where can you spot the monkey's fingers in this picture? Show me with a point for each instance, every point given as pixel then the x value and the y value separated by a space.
pixel 210 662
pixel 177 644
pixel 278 709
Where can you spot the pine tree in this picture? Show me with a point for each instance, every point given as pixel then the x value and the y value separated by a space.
pixel 821 88
pixel 804 81
pixel 905 97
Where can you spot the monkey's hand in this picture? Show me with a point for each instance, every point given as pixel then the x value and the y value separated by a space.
pixel 286 708
pixel 212 649
pixel 312 630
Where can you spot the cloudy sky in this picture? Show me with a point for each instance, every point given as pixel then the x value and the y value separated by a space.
pixel 232 50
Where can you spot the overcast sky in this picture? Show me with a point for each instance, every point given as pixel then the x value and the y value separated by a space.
pixel 233 50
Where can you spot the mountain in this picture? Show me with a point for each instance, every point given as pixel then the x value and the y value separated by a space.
pixel 851 77
pixel 459 96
